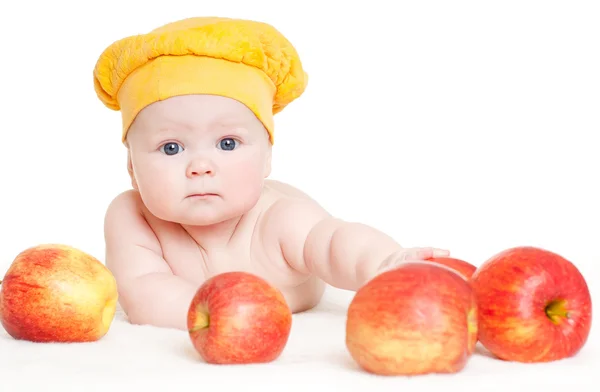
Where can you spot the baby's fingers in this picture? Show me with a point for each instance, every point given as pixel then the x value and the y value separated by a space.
pixel 440 252
pixel 411 254
pixel 425 253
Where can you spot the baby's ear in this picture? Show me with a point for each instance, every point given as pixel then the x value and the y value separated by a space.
pixel 130 171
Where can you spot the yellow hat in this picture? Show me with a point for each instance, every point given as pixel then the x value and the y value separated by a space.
pixel 245 60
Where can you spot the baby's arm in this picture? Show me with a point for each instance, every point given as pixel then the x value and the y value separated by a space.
pixel 343 254
pixel 148 291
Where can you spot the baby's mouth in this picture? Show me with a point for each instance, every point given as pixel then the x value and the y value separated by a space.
pixel 203 195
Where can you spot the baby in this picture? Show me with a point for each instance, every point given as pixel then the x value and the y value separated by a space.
pixel 197 99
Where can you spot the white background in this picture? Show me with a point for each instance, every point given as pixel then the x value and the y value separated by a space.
pixel 471 126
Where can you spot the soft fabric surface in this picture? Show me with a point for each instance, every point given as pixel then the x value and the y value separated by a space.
pixel 134 358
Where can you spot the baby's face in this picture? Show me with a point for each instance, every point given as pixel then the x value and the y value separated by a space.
pixel 199 159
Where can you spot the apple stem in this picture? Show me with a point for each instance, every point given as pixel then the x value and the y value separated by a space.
pixel 554 313
pixel 202 321
pixel 556 310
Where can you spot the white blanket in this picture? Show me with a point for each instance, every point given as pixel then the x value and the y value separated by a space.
pixel 133 358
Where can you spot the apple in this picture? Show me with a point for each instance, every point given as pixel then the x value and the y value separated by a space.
pixel 238 318
pixel 417 318
pixel 534 305
pixel 464 268
pixel 57 293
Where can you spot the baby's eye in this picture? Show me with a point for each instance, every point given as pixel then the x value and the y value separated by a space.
pixel 171 148
pixel 227 144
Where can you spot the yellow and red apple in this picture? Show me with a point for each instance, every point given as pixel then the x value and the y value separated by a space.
pixel 239 318
pixel 418 318
pixel 534 305
pixel 57 293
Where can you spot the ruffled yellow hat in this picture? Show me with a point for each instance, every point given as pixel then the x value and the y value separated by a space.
pixel 245 60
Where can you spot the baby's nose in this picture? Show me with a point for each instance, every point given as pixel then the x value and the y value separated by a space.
pixel 199 168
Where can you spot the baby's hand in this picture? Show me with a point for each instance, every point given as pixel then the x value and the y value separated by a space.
pixel 410 254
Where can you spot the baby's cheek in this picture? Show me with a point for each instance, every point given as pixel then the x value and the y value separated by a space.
pixel 248 180
pixel 158 192
pixel 156 199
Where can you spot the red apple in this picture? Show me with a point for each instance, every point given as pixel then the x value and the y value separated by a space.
pixel 534 305
pixel 239 318
pixel 56 293
pixel 415 319
pixel 462 267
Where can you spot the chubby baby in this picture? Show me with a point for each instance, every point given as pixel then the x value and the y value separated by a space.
pixel 197 99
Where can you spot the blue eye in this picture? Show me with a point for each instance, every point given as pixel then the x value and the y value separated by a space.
pixel 227 144
pixel 171 148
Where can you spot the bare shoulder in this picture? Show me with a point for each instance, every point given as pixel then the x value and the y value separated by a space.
pixel 286 224
pixel 285 189
pixel 290 208
pixel 126 231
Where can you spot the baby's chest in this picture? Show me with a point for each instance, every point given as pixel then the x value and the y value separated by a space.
pixel 187 260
